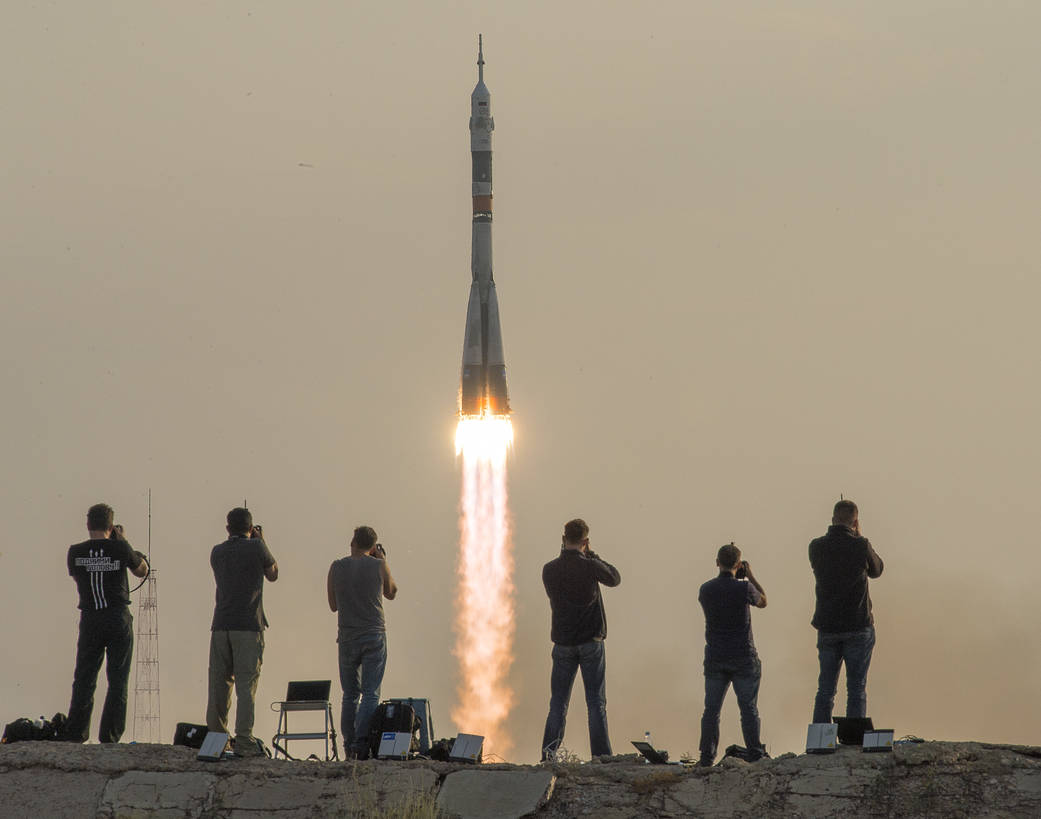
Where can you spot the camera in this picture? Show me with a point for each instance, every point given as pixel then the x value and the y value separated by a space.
pixel 742 570
pixel 379 550
pixel 257 531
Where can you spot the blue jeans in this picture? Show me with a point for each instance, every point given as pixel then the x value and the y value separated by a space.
pixel 362 662
pixel 854 649
pixel 567 660
pixel 745 675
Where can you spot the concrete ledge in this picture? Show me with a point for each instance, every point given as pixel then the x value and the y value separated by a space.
pixel 45 779
pixel 483 794
pixel 157 794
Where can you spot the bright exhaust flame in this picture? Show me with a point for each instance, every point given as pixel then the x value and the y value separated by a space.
pixel 484 625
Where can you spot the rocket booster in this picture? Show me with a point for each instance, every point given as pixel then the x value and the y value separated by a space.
pixel 483 378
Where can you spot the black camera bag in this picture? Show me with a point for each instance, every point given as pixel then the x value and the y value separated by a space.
pixel 398 717
pixel 21 730
pixel 26 730
pixel 189 735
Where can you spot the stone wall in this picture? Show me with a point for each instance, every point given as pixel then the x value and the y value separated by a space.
pixel 930 779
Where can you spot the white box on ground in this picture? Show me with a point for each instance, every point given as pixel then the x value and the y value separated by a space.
pixel 821 738
pixel 395 745
pixel 878 740
pixel 467 747
pixel 213 746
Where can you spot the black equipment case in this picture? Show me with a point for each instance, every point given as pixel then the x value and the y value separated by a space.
pixel 393 716
pixel 189 735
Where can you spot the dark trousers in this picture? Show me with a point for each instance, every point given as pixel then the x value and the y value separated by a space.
pixel 107 632
pixel 854 648
pixel 745 675
pixel 591 658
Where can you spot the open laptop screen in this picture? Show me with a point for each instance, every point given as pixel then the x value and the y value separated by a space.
pixel 304 690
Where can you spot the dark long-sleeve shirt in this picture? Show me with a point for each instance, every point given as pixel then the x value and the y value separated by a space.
pixel 572 583
pixel 842 562
pixel 728 621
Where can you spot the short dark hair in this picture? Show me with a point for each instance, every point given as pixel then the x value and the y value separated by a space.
pixel 845 511
pixel 575 531
pixel 100 517
pixel 240 520
pixel 364 537
pixel 729 556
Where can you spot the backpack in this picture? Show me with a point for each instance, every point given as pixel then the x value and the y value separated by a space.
pixel 393 716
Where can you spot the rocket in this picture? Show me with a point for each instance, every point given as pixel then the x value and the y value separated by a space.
pixel 482 388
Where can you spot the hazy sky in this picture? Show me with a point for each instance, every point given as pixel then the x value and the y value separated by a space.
pixel 748 257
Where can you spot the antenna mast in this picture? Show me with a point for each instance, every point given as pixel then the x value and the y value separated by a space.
pixel 146 676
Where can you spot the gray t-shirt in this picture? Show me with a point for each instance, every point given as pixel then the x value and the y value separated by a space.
pixel 358 585
pixel 238 567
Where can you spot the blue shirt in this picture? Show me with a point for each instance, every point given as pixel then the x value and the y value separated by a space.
pixel 728 620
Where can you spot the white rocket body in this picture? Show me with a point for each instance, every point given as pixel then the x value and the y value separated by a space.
pixel 483 377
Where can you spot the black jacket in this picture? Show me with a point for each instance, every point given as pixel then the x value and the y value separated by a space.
pixel 572 582
pixel 842 562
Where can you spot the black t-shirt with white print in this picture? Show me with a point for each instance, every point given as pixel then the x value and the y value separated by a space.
pixel 99 569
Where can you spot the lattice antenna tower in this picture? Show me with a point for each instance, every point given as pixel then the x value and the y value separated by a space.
pixel 146 675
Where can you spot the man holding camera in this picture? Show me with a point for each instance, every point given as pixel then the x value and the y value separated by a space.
pixel 730 655
pixel 356 586
pixel 842 562
pixel 98 566
pixel 240 565
pixel 579 628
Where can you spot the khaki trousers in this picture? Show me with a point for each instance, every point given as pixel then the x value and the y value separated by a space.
pixel 235 656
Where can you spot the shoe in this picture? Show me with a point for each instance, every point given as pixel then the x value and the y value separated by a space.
pixel 247 747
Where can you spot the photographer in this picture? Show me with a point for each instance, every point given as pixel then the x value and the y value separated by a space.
pixel 240 565
pixel 730 655
pixel 578 632
pixel 356 586
pixel 842 561
pixel 99 568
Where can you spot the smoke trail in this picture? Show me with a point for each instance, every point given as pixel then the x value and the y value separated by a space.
pixel 484 624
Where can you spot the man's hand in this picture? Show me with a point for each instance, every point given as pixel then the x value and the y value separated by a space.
pixel 117 532
pixel 856 527
pixel 746 567
pixel 257 532
pixel 378 552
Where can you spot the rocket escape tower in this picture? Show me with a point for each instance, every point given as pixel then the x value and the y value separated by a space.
pixel 146 673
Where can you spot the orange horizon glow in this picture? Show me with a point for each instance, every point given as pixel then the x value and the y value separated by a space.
pixel 484 622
